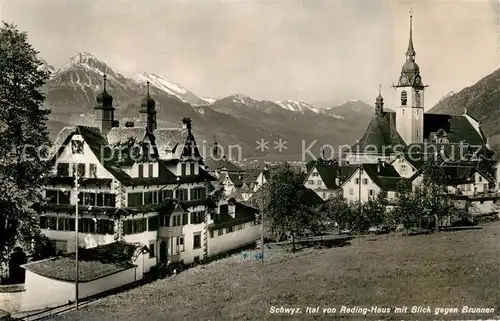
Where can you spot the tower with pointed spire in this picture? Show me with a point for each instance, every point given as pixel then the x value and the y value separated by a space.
pixel 410 95
pixel 148 111
pixel 105 105
pixel 379 103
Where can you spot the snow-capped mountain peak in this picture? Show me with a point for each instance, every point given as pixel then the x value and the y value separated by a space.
pixel 89 62
pixel 165 85
pixel 296 106
pixel 242 99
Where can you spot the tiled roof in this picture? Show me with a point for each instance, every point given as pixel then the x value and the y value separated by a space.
pixel 221 164
pixel 236 179
pixel 125 134
pixel 243 214
pixel 457 128
pixel 94 263
pixel 329 173
pixel 169 139
pixel 380 134
pixel 382 131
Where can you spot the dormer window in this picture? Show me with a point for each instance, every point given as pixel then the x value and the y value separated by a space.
pixel 77 147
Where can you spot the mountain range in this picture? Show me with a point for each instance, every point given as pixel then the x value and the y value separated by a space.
pixel 236 120
pixel 239 120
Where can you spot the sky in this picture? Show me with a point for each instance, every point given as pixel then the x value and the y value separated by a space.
pixel 313 51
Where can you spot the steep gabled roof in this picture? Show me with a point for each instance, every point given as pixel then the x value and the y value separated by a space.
pixel 330 172
pixel 221 164
pixel 379 135
pixel 243 213
pixel 457 128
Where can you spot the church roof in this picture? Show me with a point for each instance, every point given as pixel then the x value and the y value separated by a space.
pixel 457 128
pixel 380 134
pixel 221 164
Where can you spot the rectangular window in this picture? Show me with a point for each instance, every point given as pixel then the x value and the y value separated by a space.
pixel 240 227
pixel 100 199
pixel 152 223
pixel 183 169
pixel 62 169
pixel 197 217
pixel 315 174
pixel 148 198
pixel 109 199
pixel 81 170
pixel 140 169
pixel 229 230
pixel 371 192
pixel 180 244
pixel 480 179
pixel 93 170
pixel 134 226
pixel 356 181
pixel 151 250
pixel 51 196
pixel 65 224
pixel 181 194
pixel 150 170
pixel 220 232
pixel 211 233
pixel 87 225
pixel 196 241
pixel 196 258
pixel 176 220
pixel 403 168
pixel 89 198
pixel 191 169
pixel 134 199
pixel 77 147
pixel 185 218
pixel 365 181
pixel 105 227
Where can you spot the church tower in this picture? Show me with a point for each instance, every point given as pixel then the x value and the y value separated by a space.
pixel 410 95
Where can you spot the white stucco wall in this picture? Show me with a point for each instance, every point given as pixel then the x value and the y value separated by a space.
pixel 234 240
pixel 351 189
pixel 35 296
pixel 403 167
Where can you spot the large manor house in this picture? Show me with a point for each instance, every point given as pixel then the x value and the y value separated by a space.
pixel 146 197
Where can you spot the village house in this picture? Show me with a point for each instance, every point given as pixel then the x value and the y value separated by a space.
pixel 139 185
pixel 229 175
pixel 326 177
pixel 368 180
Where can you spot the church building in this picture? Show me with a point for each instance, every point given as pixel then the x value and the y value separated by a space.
pixel 411 131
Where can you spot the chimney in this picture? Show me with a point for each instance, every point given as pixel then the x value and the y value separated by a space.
pixel 231 207
pixel 186 123
pixel 129 124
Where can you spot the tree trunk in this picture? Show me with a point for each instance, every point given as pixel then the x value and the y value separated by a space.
pixel 436 218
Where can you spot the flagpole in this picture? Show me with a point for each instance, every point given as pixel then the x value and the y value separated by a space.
pixel 76 238
pixel 262 228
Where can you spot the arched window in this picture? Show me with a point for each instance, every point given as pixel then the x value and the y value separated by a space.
pixel 404 97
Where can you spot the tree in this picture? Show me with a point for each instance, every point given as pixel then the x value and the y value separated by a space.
pixel 408 208
pixel 286 212
pixel 24 138
pixel 374 210
pixel 434 193
pixel 338 210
